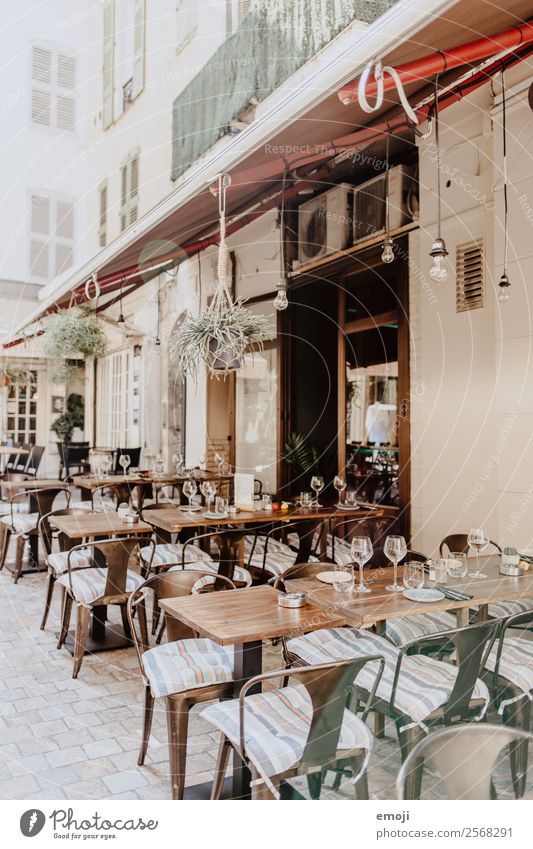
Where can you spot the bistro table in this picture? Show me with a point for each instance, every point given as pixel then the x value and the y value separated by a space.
pixel 139 482
pixel 171 520
pixel 10 488
pixel 84 527
pixel 243 619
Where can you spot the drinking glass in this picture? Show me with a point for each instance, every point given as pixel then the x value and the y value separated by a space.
pixel 477 540
pixel 189 491
pixel 343 578
pixel 266 502
pixel 395 549
pixel 351 498
pixel 305 499
pixel 124 461
pixel 225 468
pixel 413 575
pixel 208 490
pixel 221 505
pixel 177 460
pixel 340 485
pixel 317 485
pixel 438 570
pixel 362 550
pixel 457 567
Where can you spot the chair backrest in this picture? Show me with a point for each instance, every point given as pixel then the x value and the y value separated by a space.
pixel 380 560
pixel 329 686
pixel 345 529
pixel 13 461
pixel 43 499
pixel 33 460
pixel 226 542
pixel 46 530
pixel 134 455
pixel 22 460
pixel 76 454
pixel 166 584
pixel 464 757
pixel 459 542
pixel 120 492
pixel 112 554
pixel 300 570
pixel 258 486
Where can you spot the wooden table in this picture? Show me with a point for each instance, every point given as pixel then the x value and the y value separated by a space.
pixel 173 520
pixel 89 483
pixel 85 526
pixel 373 609
pixel 244 618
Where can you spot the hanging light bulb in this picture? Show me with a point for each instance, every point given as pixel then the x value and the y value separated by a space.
pixel 503 288
pixel 157 342
pixel 121 324
pixel 281 301
pixel 388 251
pixel 439 270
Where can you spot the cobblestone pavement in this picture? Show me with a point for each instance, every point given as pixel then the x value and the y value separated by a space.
pixel 78 739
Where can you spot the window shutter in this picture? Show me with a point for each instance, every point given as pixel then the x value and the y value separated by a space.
pixel 244 6
pixel 40 107
pixel 134 177
pixel 39 259
pixel 124 185
pixel 138 48
pixel 40 215
pixel 41 65
pixel 65 113
pixel 470 275
pixel 103 216
pixel 63 258
pixel 66 71
pixel 65 220
pixel 108 63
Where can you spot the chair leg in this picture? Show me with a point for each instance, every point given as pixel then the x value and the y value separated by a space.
pixel 519 716
pixel 178 726
pixel 408 740
pixel 148 713
pixel 19 558
pixel 143 626
pixel 156 615
pixel 83 623
pixel 48 600
pixel 224 749
pixel 65 620
pixel 125 623
pixel 5 535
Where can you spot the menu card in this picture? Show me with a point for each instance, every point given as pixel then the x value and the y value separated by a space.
pixel 243 488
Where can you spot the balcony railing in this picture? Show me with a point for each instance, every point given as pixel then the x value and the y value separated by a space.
pixel 273 40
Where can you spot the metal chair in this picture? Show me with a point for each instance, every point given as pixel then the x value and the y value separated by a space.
pixel 183 671
pixel 105 580
pixel 25 525
pixel 416 691
pixel 73 455
pixel 464 757
pixel 133 453
pixel 316 731
pixel 341 533
pixel 510 664
pixel 33 460
pixel 57 562
pixel 459 542
pixel 268 557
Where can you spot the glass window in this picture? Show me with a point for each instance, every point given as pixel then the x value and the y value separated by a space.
pixel 256 448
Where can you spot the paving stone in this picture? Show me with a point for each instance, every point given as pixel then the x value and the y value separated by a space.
pixel 121 782
pixel 91 789
pixel 17 788
pixel 101 748
pixel 65 757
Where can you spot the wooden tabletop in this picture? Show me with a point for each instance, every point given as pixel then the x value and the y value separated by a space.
pixel 367 609
pixel 86 524
pixel 34 483
pixel 6 450
pixel 173 519
pixel 92 482
pixel 244 616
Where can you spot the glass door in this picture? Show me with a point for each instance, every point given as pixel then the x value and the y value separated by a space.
pixel 21 408
pixel 256 440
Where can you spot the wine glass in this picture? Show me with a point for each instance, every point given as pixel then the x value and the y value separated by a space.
pixel 317 485
pixel 395 549
pixel 478 541
pixel 219 459
pixel 340 485
pixel 124 461
pixel 208 490
pixel 189 491
pixel 160 465
pixel 362 550
pixel 177 462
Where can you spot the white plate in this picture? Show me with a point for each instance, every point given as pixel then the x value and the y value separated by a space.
pixel 194 509
pixel 333 577
pixel 424 594
pixel 216 515
pixel 348 506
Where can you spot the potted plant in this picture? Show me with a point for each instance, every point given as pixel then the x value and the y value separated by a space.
pixel 69 333
pixel 218 336
pixel 72 418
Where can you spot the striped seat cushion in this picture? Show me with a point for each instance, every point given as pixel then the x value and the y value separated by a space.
pixel 18 507
pixel 402 631
pixel 240 574
pixel 501 609
pixel 424 684
pixel 516 665
pixel 186 664
pixel 277 725
pixel 58 562
pixel 88 585
pixel 22 523
pixel 343 551
pixel 260 542
pixel 277 562
pixel 168 552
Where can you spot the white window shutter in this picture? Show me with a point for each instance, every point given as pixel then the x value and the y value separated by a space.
pixel 39 259
pixel 65 220
pixel 66 71
pixel 40 107
pixel 138 48
pixel 108 69
pixel 41 65
pixel 40 215
pixel 102 229
pixel 134 177
pixel 65 113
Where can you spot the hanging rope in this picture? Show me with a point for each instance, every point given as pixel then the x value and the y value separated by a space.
pixel 222 295
pixel 379 74
pixel 504 128
pixel 438 153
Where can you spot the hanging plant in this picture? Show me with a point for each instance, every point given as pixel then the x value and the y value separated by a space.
pixel 63 371
pixel 219 336
pixel 74 331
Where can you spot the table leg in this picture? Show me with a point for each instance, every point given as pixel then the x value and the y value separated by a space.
pixel 463 617
pixel 248 662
